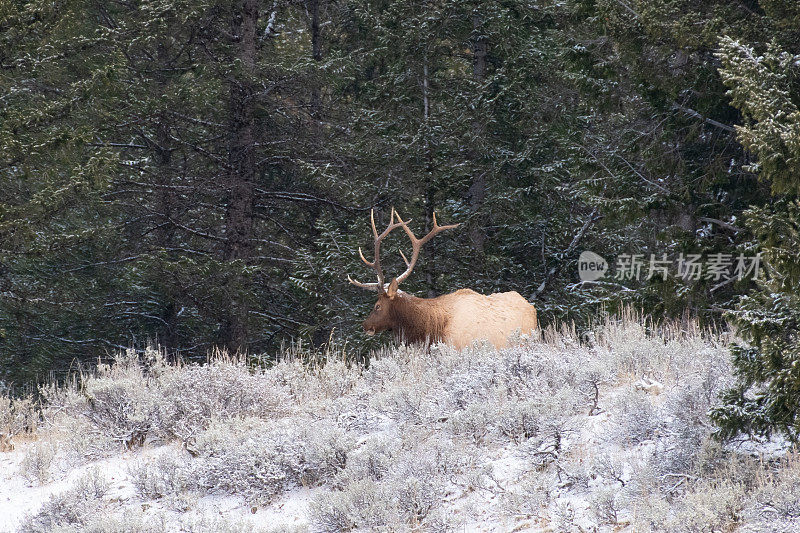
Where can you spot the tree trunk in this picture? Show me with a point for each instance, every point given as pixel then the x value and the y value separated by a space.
pixel 430 274
pixel 240 178
pixel 165 200
pixel 477 191
pixel 313 7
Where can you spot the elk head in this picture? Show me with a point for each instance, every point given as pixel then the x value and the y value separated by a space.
pixel 383 316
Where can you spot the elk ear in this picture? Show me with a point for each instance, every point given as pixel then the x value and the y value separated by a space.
pixel 391 292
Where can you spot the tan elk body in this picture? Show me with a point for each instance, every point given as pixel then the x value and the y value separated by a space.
pixel 458 319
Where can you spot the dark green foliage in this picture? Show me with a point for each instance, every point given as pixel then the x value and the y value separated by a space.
pixel 200 174
pixel 763 81
pixel 767 395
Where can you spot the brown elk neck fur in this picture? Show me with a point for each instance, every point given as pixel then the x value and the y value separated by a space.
pixel 420 319
pixel 462 317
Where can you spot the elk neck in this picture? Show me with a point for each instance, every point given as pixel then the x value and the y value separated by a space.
pixel 419 319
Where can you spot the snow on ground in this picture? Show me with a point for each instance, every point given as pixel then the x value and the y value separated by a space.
pixel 549 435
pixel 20 498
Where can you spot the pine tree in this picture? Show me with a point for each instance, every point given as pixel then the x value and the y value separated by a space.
pixel 162 170
pixel 764 86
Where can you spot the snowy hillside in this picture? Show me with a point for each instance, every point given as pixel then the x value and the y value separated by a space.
pixel 606 434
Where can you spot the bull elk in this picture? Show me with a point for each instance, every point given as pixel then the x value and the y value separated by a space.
pixel 457 319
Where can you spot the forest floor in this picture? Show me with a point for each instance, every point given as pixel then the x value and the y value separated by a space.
pixel 605 433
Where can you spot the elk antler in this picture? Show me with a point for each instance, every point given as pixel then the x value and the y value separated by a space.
pixel 376 263
pixel 416 244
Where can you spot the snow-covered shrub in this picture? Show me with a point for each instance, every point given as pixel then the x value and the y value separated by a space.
pixel 208 523
pixel 39 461
pixel 610 470
pixel 518 420
pixel 562 517
pixel 337 378
pixel 605 505
pixel 167 474
pixel 62 403
pixel 390 488
pixel 707 506
pixel 686 425
pixel 627 342
pixel 411 503
pixel 82 441
pixel 66 419
pixel 419 477
pixel 193 395
pixel 637 346
pixel 137 398
pixel 471 382
pixel 120 400
pixel 128 521
pixel 372 458
pixel 529 497
pixel 472 421
pixel 381 372
pixel 403 403
pixel 71 509
pixel 259 459
pixel 635 418
pixel 362 504
pixel 295 379
pixel 775 504
pixel 17 415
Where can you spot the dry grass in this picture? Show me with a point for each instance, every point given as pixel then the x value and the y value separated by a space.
pixel 605 431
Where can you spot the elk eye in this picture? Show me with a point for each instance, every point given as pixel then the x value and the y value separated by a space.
pixel 377 307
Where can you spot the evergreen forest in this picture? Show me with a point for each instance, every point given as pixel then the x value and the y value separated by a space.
pixel 199 174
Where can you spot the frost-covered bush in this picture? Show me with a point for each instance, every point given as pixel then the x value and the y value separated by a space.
pixel 194 395
pixel 68 419
pixel 17 415
pixel 529 497
pixel 66 513
pixel 39 462
pixel 259 459
pixel 635 418
pixel 706 506
pixel 404 403
pixel 362 504
pixel 82 441
pixel 208 523
pixel 167 474
pixel 337 378
pixel 775 504
pixel 385 487
pixel 519 420
pixel 606 506
pixel 295 379
pixel 382 372
pixel 473 421
pixel 62 404
pixel 627 343
pixel 137 398
pixel 372 458
pixel 121 400
pixel 419 484
pixel 473 381
pixel 72 509
pixel 562 517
